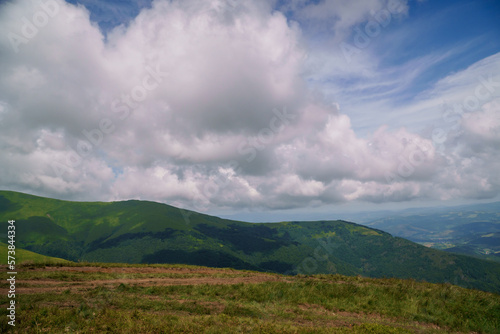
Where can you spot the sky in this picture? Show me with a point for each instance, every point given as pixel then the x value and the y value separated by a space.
pixel 252 109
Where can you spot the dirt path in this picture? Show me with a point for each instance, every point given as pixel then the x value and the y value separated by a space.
pixel 139 270
pixel 55 285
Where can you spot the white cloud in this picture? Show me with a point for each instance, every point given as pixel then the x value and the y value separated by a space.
pixel 206 105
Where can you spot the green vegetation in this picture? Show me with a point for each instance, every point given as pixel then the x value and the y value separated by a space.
pixel 115 298
pixel 148 232
pixel 24 256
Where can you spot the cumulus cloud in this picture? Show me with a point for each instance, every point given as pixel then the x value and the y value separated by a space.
pixel 206 104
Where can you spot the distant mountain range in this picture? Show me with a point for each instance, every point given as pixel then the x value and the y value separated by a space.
pixel 467 229
pixel 148 232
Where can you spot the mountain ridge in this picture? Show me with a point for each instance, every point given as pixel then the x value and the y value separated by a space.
pixel 148 232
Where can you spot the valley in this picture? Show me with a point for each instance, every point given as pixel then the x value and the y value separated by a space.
pixel 469 229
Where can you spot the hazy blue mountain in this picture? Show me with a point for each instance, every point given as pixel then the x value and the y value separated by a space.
pixel 466 229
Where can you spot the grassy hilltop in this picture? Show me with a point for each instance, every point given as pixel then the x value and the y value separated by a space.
pixel 148 232
pixel 120 298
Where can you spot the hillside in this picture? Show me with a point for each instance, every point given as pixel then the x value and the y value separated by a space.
pixel 119 298
pixel 148 232
pixel 24 256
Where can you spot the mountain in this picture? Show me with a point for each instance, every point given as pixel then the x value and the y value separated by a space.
pixel 148 232
pixel 470 229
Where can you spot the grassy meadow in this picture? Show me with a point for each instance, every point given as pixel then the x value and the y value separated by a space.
pixel 126 298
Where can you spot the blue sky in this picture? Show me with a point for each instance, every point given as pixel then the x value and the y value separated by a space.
pixel 109 14
pixel 252 108
pixel 434 38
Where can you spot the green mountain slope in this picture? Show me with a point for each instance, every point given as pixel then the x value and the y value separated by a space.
pixel 24 256
pixel 149 232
